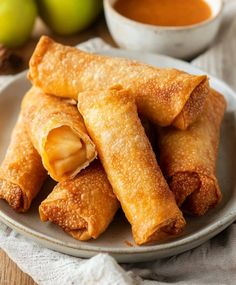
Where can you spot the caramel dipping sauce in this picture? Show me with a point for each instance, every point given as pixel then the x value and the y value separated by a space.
pixel 165 12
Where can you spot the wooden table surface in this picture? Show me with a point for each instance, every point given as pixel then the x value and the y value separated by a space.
pixel 10 274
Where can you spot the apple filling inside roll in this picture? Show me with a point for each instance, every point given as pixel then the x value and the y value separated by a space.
pixel 66 151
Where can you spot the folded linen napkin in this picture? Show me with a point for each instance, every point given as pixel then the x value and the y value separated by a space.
pixel 214 262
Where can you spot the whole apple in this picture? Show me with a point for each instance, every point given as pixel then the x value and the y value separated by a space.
pixel 66 17
pixel 17 19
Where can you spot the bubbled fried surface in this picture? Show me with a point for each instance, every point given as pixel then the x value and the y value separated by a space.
pixel 161 94
pixel 12 194
pixel 194 106
pixel 126 154
pixel 43 113
pixel 183 184
pixel 207 196
pixel 21 172
pixel 83 206
pixel 194 152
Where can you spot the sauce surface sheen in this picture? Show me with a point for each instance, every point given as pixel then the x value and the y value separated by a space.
pixel 165 12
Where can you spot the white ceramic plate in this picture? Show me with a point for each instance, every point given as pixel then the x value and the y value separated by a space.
pixel 114 240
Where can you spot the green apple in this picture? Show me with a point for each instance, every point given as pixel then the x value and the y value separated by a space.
pixel 16 21
pixel 66 17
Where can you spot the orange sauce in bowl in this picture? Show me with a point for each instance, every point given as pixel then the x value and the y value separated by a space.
pixel 165 12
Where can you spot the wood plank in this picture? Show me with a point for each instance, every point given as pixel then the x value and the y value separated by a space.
pixel 10 274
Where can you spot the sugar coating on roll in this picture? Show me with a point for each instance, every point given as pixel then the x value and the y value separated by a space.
pixel 83 206
pixel 188 158
pixel 165 96
pixel 112 121
pixel 21 172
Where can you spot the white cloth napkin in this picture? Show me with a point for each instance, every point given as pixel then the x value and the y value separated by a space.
pixel 212 263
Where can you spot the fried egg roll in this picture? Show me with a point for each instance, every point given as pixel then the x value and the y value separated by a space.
pixel 58 133
pixel 112 121
pixel 83 206
pixel 165 96
pixel 188 158
pixel 21 172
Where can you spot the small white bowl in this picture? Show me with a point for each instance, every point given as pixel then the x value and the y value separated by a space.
pixel 180 42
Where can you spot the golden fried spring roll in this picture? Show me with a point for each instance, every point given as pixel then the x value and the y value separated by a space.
pixel 21 172
pixel 165 96
pixel 126 154
pixel 188 158
pixel 83 206
pixel 58 133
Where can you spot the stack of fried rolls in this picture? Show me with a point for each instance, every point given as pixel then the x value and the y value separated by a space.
pixel 82 105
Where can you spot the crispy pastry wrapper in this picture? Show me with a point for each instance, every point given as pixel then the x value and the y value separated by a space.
pixel 83 206
pixel 126 154
pixel 165 96
pixel 58 133
pixel 188 158
pixel 21 172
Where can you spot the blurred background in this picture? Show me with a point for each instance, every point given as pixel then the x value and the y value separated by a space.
pixel 22 22
pixel 178 28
